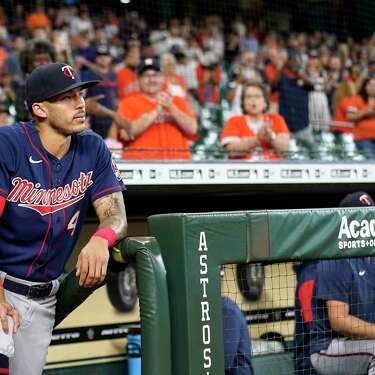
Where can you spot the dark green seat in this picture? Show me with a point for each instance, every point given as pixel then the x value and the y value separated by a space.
pixel 274 364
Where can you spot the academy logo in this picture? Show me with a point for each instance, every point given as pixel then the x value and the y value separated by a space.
pixel 356 234
pixel 69 72
pixel 30 195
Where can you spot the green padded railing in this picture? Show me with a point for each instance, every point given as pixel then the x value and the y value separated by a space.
pixel 154 304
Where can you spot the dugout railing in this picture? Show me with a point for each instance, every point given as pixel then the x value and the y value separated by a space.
pixel 194 246
pixel 154 303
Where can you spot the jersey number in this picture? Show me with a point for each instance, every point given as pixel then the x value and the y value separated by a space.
pixel 73 223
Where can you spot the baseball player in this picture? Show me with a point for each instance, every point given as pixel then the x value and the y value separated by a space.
pixel 237 341
pixel 50 170
pixel 343 329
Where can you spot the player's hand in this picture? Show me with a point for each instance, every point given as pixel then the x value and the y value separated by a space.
pixel 92 262
pixel 8 310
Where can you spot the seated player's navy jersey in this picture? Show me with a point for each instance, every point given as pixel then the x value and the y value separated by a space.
pixel 47 198
pixel 347 280
pixel 237 344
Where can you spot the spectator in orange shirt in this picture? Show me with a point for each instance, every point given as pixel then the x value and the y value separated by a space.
pixel 38 20
pixel 360 110
pixel 160 124
pixel 255 134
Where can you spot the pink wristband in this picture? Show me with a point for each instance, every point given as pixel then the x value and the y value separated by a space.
pixel 108 234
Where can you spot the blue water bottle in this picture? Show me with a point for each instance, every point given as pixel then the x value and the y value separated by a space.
pixel 134 353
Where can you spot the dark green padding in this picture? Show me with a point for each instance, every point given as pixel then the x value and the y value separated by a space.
pixel 240 237
pixel 274 364
pixel 314 234
pixel 71 295
pixel 154 304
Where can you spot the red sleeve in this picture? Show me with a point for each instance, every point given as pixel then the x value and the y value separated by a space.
pixel 305 294
pixel 2 205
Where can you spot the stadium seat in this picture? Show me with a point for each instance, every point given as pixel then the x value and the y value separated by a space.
pixel 211 117
pixel 346 148
pixel 296 151
pixel 324 146
pixel 209 146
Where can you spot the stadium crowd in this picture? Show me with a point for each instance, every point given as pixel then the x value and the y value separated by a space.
pixel 320 89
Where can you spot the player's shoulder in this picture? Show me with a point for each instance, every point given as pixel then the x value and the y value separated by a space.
pixel 229 304
pixel 12 133
pixel 331 266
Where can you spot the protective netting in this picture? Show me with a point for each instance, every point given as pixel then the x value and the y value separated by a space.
pixel 315 61
pixel 303 318
pixel 265 296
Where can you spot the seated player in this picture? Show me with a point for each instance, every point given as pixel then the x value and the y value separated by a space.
pixel 343 331
pixel 237 342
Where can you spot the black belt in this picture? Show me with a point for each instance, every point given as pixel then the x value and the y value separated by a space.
pixel 30 291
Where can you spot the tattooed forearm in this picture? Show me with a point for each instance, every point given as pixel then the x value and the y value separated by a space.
pixel 111 213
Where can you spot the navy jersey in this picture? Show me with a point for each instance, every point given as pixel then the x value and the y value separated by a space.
pixel 237 344
pixel 47 198
pixel 347 280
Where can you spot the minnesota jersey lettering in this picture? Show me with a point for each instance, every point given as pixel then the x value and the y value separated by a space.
pixel 48 201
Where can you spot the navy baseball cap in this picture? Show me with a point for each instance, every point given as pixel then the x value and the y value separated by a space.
pixel 357 199
pixel 149 63
pixel 48 81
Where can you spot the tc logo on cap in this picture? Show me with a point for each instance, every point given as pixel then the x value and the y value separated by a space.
pixel 69 71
